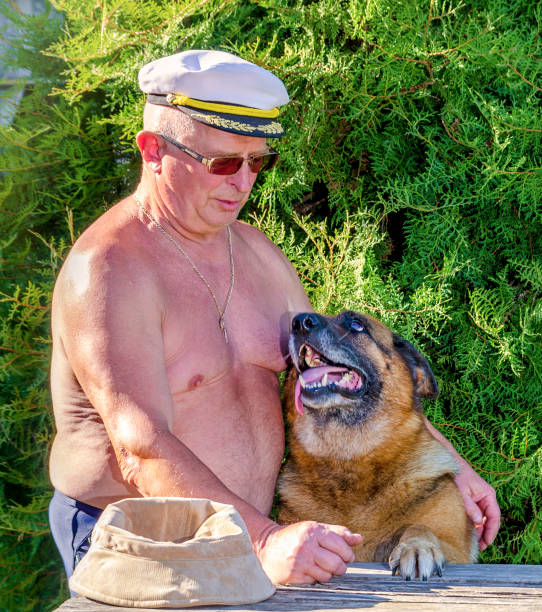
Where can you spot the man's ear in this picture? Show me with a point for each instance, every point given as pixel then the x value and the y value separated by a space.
pixel 150 149
pixel 425 384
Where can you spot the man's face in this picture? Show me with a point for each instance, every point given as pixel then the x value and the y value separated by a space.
pixel 205 201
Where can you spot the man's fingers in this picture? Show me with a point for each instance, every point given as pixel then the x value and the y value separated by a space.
pixel 480 504
pixel 473 511
pixel 330 562
pixel 486 516
pixel 317 574
pixel 339 540
pixel 491 526
pixel 353 539
pixel 306 552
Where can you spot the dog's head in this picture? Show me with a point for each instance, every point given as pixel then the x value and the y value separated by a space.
pixel 351 365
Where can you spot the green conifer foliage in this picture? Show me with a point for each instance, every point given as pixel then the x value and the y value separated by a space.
pixel 409 187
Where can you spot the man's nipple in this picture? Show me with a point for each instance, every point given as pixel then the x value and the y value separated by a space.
pixel 195 381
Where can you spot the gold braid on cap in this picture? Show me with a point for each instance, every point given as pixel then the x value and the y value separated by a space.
pixel 228 124
pixel 229 109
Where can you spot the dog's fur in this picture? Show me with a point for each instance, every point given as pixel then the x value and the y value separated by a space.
pixel 363 457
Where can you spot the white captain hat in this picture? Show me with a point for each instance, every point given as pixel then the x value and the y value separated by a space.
pixel 218 89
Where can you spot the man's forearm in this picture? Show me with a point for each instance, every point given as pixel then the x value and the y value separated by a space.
pixel 169 468
pixel 446 443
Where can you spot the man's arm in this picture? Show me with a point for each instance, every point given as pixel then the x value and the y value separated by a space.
pixel 479 496
pixel 115 348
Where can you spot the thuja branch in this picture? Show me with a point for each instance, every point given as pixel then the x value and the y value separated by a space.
pixel 15 7
pixel 521 76
pixel 516 127
pixel 11 298
pixel 463 144
pixel 23 146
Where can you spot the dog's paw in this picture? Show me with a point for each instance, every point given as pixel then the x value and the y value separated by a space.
pixel 418 556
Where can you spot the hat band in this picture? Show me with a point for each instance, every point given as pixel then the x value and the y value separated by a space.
pixel 229 109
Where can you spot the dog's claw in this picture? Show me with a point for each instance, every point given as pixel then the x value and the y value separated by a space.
pixel 439 570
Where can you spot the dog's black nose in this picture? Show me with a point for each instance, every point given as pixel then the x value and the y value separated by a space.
pixel 305 322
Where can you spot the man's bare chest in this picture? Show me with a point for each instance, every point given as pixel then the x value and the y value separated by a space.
pixel 196 352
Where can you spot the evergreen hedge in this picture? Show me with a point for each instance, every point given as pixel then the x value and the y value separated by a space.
pixel 409 187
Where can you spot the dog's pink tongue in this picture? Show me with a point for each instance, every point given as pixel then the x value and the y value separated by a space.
pixel 309 376
pixel 297 397
pixel 313 374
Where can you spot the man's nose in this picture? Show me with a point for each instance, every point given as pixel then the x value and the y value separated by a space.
pixel 305 322
pixel 243 179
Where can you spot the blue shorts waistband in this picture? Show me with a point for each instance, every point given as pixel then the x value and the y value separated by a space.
pixel 75 503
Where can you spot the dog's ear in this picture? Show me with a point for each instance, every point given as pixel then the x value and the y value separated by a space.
pixel 425 384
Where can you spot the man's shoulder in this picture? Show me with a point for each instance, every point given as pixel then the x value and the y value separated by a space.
pixel 259 242
pixel 107 252
pixel 116 227
pixel 267 256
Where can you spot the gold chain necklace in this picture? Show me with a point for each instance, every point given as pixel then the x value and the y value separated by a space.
pixel 221 311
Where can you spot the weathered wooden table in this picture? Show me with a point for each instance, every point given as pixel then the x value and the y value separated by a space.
pixel 370 585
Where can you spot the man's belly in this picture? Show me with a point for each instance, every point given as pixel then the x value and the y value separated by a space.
pixel 234 426
pixel 238 432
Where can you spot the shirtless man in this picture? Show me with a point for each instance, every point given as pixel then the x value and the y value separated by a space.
pixel 165 353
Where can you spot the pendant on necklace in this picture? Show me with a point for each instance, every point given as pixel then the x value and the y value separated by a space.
pixel 222 324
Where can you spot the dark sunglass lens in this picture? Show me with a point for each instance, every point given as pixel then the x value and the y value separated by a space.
pixel 225 165
pixel 269 161
pixel 230 165
pixel 261 163
pixel 256 163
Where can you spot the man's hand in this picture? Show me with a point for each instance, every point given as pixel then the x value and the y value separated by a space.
pixel 479 496
pixel 306 552
pixel 480 504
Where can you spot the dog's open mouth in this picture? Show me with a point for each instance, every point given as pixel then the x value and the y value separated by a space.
pixel 318 376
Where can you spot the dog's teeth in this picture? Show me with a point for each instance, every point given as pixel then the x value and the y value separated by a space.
pixel 324 380
pixel 302 382
pixel 315 385
pixel 345 379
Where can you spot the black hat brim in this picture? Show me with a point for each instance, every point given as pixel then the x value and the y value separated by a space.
pixel 258 127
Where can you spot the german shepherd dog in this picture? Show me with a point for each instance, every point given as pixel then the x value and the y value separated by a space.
pixel 360 453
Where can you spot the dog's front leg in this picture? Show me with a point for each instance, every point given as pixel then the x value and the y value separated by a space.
pixel 418 554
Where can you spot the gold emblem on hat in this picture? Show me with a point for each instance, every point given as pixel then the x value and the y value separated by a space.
pixel 229 124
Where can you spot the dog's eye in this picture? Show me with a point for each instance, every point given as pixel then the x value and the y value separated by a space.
pixel 357 326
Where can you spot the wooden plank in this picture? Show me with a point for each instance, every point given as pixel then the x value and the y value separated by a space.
pixel 382 602
pixel 487 588
pixel 385 604
pixel 473 573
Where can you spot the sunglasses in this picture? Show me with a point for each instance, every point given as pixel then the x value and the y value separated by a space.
pixel 228 165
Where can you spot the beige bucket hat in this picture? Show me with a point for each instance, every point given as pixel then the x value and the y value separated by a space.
pixel 170 552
